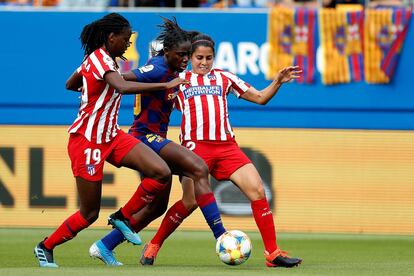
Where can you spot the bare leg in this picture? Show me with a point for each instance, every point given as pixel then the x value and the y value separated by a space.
pixel 182 161
pixel 247 178
pixel 90 198
pixel 143 159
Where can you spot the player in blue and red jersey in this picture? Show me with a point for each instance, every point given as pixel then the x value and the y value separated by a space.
pixel 152 113
pixel 152 110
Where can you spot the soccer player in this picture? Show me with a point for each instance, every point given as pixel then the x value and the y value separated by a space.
pixel 152 115
pixel 206 130
pixel 95 135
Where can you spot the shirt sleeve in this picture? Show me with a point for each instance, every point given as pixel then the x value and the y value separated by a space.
pixel 102 64
pixel 149 73
pixel 237 86
pixel 177 104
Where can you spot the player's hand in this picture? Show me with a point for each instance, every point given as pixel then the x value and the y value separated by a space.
pixel 176 82
pixel 288 74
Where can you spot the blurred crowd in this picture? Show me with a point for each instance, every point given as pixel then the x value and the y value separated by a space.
pixel 204 3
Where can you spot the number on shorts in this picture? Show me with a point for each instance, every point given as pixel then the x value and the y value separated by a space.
pixel 94 154
pixel 190 145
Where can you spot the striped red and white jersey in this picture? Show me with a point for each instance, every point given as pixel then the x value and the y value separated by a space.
pixel 203 104
pixel 98 112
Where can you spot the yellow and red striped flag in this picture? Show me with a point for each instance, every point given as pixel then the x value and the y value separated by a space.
pixel 341 33
pixel 385 31
pixel 291 36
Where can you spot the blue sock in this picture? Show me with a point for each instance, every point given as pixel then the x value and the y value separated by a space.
pixel 209 208
pixel 113 239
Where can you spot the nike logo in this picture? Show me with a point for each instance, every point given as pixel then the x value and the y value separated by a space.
pixel 267 213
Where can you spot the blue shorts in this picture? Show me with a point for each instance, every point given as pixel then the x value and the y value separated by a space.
pixel 154 141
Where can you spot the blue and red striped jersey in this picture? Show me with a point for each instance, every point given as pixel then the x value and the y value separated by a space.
pixel 152 109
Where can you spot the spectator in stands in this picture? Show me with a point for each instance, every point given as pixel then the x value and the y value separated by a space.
pixel 300 3
pixel 153 3
pixel 238 3
pixel 387 3
pixel 334 3
pixel 83 3
pixel 45 3
pixel 15 2
pixel 255 3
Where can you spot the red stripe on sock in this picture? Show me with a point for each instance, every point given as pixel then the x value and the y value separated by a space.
pixel 206 199
pixel 67 230
pixel 264 221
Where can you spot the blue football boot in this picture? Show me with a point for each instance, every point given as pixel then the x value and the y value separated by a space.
pixel 98 250
pixel 118 221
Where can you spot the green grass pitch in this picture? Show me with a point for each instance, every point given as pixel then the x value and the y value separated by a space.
pixel 193 253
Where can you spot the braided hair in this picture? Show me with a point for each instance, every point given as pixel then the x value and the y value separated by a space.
pixel 96 34
pixel 200 39
pixel 171 35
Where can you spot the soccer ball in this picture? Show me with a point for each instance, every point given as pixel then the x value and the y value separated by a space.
pixel 233 247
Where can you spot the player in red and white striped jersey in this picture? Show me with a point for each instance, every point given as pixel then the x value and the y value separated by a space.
pixel 95 136
pixel 98 112
pixel 203 103
pixel 206 130
pixel 100 100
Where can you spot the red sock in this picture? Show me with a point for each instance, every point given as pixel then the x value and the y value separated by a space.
pixel 67 230
pixel 205 199
pixel 144 195
pixel 264 220
pixel 173 218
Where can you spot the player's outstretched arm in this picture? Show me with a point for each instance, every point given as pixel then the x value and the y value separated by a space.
pixel 263 96
pixel 131 87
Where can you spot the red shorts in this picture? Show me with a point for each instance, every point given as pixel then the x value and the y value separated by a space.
pixel 223 158
pixel 88 158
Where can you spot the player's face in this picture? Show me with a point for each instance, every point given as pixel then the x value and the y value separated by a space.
pixel 202 60
pixel 178 57
pixel 119 43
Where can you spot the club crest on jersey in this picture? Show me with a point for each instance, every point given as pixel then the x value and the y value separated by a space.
pixel 91 169
pixel 146 68
pixel 211 77
pixel 202 90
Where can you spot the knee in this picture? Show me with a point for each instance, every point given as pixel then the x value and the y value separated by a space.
pixel 165 177
pixel 200 170
pixel 162 174
pixel 254 190
pixel 259 192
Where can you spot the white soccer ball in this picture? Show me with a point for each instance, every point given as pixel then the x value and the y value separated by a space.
pixel 233 247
